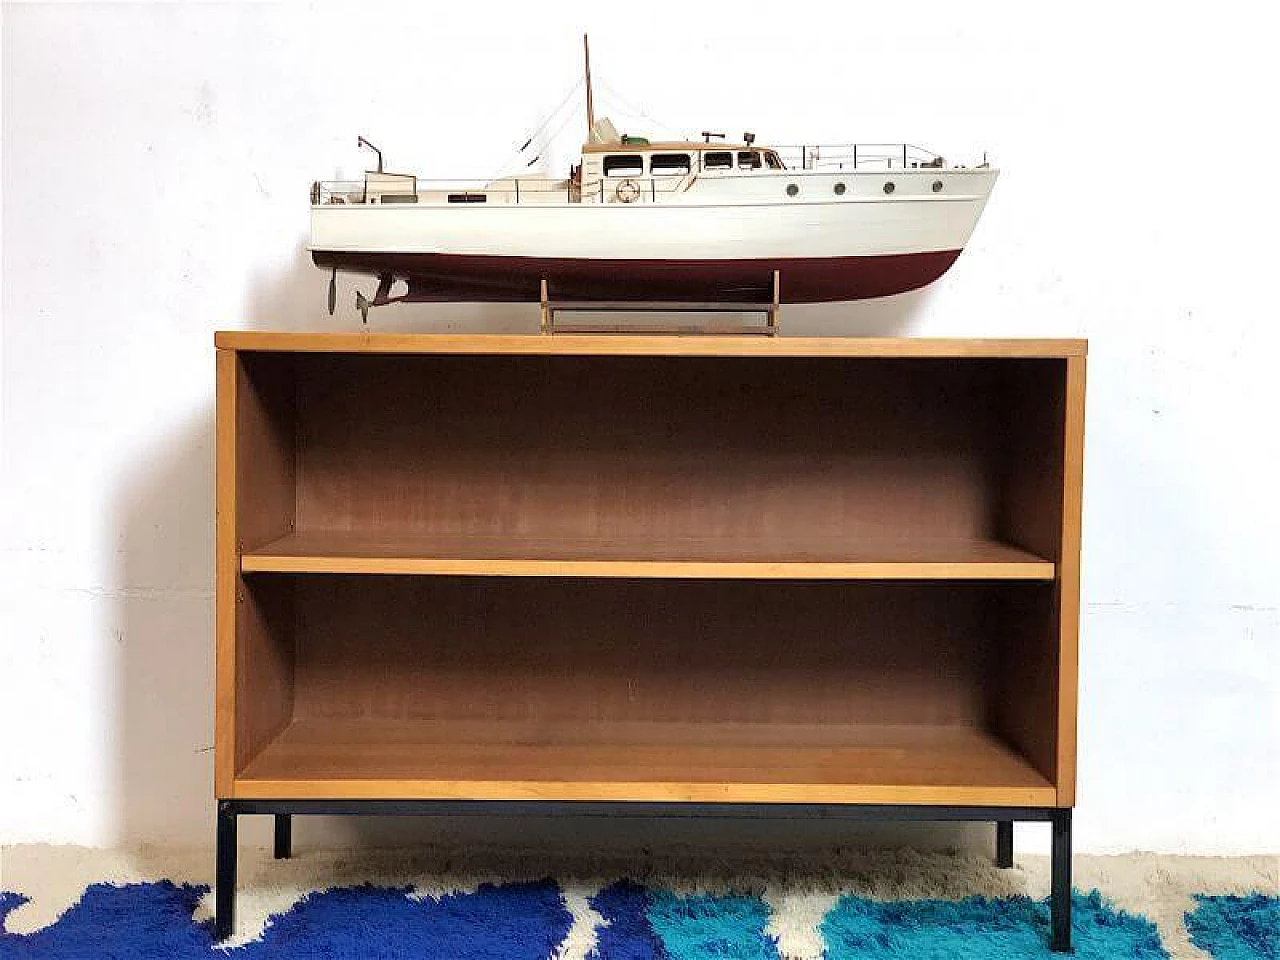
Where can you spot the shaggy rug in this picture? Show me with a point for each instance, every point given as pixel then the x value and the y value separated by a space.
pixel 1236 928
pixel 530 921
pixel 71 903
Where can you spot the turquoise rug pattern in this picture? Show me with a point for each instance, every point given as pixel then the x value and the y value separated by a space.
pixel 1236 928
pixel 978 928
pixel 530 921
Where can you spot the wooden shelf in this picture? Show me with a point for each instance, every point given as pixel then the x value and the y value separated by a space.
pixel 694 557
pixel 646 345
pixel 642 761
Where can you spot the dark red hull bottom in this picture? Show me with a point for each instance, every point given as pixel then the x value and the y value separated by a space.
pixel 467 278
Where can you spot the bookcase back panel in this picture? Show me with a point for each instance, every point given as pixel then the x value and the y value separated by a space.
pixel 638 650
pixel 644 447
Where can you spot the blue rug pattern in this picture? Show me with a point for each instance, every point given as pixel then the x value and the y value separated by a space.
pixel 518 921
pixel 1236 928
pixel 529 921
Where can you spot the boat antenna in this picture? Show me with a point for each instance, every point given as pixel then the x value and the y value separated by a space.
pixel 362 142
pixel 591 110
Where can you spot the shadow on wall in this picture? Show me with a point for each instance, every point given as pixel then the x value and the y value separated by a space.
pixel 164 625
pixel 165 622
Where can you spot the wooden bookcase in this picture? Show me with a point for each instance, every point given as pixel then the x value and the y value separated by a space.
pixel 647 570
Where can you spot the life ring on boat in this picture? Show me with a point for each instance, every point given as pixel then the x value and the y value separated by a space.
pixel 628 191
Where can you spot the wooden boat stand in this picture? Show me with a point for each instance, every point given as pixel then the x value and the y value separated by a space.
pixel 551 307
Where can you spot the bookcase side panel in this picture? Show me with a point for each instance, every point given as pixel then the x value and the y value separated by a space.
pixel 1069 579
pixel 226 573
pixel 265 655
pixel 265 477
pixel 1026 627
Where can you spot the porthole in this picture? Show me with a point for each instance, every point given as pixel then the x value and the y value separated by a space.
pixel 839 188
pixel 792 189
pixel 937 186
pixel 889 187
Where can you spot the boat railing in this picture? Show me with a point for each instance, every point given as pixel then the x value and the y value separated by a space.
pixel 505 190
pixel 858 156
pixel 815 157
pixel 337 191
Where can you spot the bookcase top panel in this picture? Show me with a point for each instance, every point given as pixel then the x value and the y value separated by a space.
pixel 647 345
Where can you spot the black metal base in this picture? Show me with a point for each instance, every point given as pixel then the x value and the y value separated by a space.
pixel 224 893
pixel 284 836
pixel 1060 897
pixel 1004 844
pixel 1003 817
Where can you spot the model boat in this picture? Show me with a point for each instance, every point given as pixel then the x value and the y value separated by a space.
pixel 683 221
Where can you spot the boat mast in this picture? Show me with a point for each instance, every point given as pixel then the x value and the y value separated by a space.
pixel 591 112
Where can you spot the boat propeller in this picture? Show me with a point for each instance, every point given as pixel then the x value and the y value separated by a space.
pixel 381 296
pixel 333 291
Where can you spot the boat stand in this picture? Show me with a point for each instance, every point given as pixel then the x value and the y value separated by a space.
pixel 550 324
pixel 1059 819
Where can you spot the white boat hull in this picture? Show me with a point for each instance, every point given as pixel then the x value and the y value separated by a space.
pixel 720 240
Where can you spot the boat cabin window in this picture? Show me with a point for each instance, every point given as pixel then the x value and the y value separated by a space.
pixel 748 160
pixel 718 160
pixel 669 164
pixel 772 161
pixel 624 165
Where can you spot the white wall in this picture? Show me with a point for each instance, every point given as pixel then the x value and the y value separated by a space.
pixel 155 172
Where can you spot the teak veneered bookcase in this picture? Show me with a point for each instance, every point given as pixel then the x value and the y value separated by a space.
pixel 648 574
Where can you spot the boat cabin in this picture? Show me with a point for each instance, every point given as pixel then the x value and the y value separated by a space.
pixel 638 158
pixel 629 169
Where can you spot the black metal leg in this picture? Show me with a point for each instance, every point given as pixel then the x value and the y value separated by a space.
pixel 1060 897
pixel 1004 843
pixel 284 836
pixel 224 897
